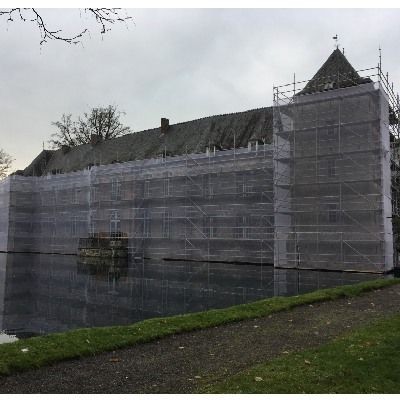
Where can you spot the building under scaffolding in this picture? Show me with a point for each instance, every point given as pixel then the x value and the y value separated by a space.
pixel 332 172
pixel 318 191
pixel 214 207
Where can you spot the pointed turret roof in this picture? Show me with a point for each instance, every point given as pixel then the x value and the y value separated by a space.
pixel 335 73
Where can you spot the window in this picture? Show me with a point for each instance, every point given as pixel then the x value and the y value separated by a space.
pixel 115 189
pixel 47 198
pixel 146 189
pixel 210 191
pixel 74 226
pixel 92 223
pixel 246 227
pixel 75 195
pixel 166 224
pixel 93 194
pixel 166 187
pixel 332 213
pixel 330 128
pixel 328 85
pixel 49 226
pixel 63 197
pixel 146 223
pixel 247 189
pixel 209 226
pixel 242 228
pixel 115 224
pixel 208 188
pixel 331 167
pixel 243 187
pixel 189 231
pixel 206 226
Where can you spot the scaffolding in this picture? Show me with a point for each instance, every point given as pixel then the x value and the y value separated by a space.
pixel 336 174
pixel 214 206
pixel 211 206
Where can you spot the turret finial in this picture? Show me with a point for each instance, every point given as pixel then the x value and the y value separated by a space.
pixel 335 38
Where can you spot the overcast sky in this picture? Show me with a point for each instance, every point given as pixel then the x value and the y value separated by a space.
pixel 179 64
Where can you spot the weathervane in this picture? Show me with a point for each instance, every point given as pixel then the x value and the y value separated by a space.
pixel 335 38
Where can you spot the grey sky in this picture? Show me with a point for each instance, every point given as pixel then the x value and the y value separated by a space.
pixel 179 64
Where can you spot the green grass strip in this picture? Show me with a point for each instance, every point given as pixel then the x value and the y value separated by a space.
pixel 366 361
pixel 43 350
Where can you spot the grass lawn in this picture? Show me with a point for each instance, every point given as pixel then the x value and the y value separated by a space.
pixel 39 351
pixel 366 361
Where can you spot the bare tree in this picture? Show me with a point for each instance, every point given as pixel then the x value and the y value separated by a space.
pixel 104 122
pixel 67 132
pixel 5 163
pixel 105 17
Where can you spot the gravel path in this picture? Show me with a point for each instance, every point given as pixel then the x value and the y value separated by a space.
pixel 181 363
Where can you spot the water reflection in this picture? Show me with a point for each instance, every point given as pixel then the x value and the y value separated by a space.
pixel 46 293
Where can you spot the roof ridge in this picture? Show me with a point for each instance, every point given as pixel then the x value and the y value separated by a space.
pixel 224 115
pixel 202 118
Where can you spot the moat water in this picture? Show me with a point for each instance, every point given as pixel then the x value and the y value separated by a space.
pixel 41 293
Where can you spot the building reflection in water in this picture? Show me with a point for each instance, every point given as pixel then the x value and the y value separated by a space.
pixel 51 293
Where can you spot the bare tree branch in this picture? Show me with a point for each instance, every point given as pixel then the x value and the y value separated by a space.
pixel 66 135
pixel 101 121
pixel 106 17
pixel 5 163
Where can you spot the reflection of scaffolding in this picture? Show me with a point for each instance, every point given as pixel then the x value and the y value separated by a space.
pixel 45 293
pixel 332 179
pixel 289 282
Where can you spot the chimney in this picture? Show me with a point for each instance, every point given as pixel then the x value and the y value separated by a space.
pixel 94 139
pixel 164 125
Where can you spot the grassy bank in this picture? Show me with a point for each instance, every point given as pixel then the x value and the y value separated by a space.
pixel 363 362
pixel 40 351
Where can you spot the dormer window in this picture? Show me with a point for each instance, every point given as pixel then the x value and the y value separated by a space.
pixel 328 85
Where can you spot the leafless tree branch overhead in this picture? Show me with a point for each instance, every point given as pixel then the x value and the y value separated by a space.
pixel 104 122
pixel 5 163
pixel 105 17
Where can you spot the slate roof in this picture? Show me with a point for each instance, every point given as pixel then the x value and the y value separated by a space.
pixel 192 136
pixel 335 73
pixel 38 166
